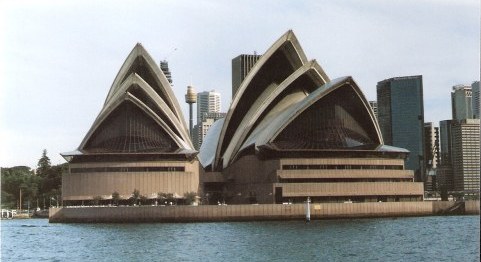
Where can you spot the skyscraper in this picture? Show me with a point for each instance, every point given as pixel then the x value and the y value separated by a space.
pixel 431 153
pixel 445 141
pixel 466 156
pixel 401 117
pixel 208 111
pixel 241 65
pixel 207 102
pixel 461 102
pixel 475 99
pixel 164 66
pixel 431 145
pixel 202 127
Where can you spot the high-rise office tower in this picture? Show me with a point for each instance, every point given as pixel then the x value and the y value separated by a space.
pixel 475 99
pixel 460 155
pixel 241 65
pixel 207 102
pixel 445 169
pixel 401 117
pixel 466 156
pixel 445 141
pixel 206 121
pixel 164 66
pixel 373 105
pixel 461 102
pixel 431 145
pixel 208 111
pixel 431 153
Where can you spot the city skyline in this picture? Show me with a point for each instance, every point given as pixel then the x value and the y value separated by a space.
pixel 61 62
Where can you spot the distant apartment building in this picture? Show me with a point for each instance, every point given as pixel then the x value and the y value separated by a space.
pixel 460 156
pixel 401 117
pixel 445 139
pixel 373 105
pixel 466 156
pixel 460 142
pixel 202 127
pixel 431 153
pixel 445 169
pixel 164 66
pixel 208 111
pixel 241 65
pixel 475 99
pixel 208 102
pixel 461 102
pixel 431 181
pixel 431 145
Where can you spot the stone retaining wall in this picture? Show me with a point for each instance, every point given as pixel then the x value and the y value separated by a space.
pixel 211 213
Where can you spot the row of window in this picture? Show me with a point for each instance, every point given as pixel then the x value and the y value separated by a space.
pixel 317 167
pixel 128 169
pixel 342 180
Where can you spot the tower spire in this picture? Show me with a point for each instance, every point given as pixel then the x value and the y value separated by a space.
pixel 190 98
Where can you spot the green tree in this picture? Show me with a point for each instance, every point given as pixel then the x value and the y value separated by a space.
pixel 165 198
pixel 40 188
pixel 53 178
pixel 169 197
pixel 135 196
pixel 96 200
pixel 190 198
pixel 143 200
pixel 16 178
pixel 161 196
pixel 115 198
pixel 43 165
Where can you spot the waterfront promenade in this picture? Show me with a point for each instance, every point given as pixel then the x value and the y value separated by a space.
pixel 211 213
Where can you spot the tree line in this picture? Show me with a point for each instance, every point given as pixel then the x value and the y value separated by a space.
pixel 38 188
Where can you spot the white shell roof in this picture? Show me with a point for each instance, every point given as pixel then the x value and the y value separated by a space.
pixel 278 103
pixel 157 99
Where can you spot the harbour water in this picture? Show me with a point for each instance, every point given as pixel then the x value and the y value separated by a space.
pixel 433 238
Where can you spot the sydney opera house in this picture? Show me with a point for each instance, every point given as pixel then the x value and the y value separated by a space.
pixel 290 133
pixel 139 140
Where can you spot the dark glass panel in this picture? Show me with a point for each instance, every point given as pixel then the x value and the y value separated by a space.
pixel 142 96
pixel 128 130
pixel 338 120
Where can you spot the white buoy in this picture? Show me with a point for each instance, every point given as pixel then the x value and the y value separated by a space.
pixel 308 209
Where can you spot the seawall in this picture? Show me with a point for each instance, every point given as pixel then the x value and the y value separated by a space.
pixel 210 213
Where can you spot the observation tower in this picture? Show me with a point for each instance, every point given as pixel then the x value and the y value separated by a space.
pixel 190 98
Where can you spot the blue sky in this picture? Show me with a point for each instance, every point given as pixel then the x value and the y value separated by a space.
pixel 59 58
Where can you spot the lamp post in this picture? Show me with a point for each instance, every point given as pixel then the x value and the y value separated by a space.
pixel 308 209
pixel 20 204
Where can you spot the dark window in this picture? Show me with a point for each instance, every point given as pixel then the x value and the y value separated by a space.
pixel 128 169
pixel 317 167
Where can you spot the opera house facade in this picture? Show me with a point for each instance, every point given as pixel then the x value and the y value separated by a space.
pixel 139 140
pixel 290 133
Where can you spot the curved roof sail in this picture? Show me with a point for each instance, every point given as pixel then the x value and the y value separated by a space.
pixel 128 129
pixel 141 63
pixel 282 59
pixel 337 115
pixel 207 149
pixel 140 113
pixel 289 103
pixel 299 84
